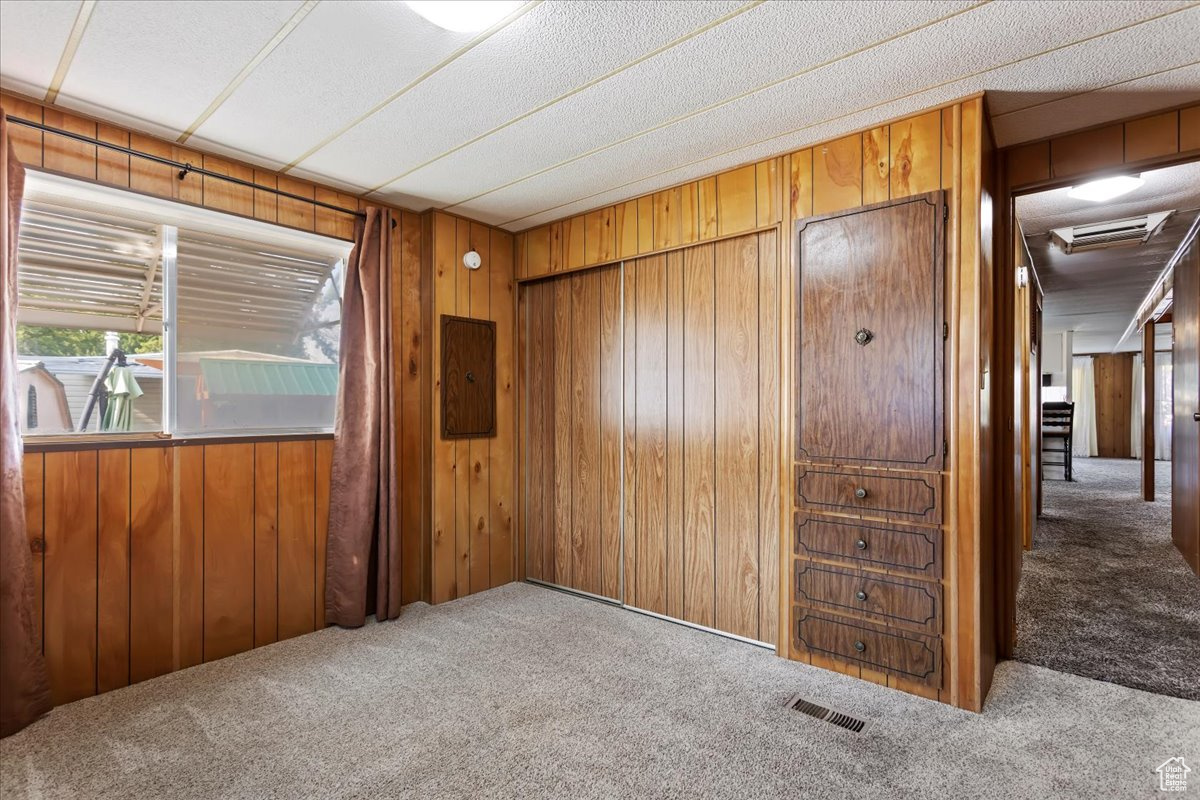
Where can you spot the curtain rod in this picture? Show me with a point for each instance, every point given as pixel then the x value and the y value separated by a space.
pixel 183 168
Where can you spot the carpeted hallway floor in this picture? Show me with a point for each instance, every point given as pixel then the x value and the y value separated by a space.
pixel 1104 593
pixel 524 692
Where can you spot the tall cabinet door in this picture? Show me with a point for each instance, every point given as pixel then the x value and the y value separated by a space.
pixel 870 338
pixel 1185 436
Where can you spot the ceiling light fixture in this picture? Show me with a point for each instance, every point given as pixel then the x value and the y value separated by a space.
pixel 1105 189
pixel 464 16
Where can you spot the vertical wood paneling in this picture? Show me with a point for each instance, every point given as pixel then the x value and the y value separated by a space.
pixel 629 300
pixel 645 216
pixel 328 222
pixel 768 433
pixel 411 380
pixel 610 431
pixel 599 236
pixel 689 220
pixel 573 242
pixel 766 185
pixel 737 201
pixel 667 218
pixel 559 565
pixel 444 509
pixel 68 155
pixel 502 469
pixel 537 251
pixel 112 167
pixel 706 207
pixel 324 466
pixel 223 195
pixel 536 299
pixel 188 555
pixel 479 506
pixel 699 462
pixel 26 142
pixel 876 165
pixel 70 574
pixel 296 213
pixel 837 175
pixel 229 518
pixel 585 432
pixel 1151 137
pixel 151 562
pixel 556 247
pixel 916 155
pixel 651 497
pixel 801 188
pixel 33 475
pixel 625 221
pixel 112 591
pixel 266 204
pixel 266 543
pixel 737 371
pixel 1189 129
pixel 1077 153
pixel 463 473
pixel 675 435
pixel 297 532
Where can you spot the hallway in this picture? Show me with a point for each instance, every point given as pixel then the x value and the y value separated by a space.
pixel 1104 593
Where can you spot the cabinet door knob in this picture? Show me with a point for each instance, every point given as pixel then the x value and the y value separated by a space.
pixel 861 544
pixel 860 646
pixel 860 594
pixel 860 493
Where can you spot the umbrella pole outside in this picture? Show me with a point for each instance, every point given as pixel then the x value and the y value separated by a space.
pixel 98 392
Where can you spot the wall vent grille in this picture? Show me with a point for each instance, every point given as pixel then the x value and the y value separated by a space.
pixel 1113 233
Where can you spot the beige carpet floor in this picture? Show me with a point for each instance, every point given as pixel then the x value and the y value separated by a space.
pixel 1104 591
pixel 524 692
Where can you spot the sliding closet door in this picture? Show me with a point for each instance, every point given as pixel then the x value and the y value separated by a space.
pixel 702 435
pixel 572 413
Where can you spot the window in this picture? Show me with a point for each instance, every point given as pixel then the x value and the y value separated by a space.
pixel 136 314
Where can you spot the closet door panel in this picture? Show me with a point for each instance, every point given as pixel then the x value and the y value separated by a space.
pixel 870 304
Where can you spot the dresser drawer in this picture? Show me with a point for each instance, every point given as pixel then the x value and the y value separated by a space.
pixel 869 544
pixel 913 496
pixel 880 598
pixel 908 655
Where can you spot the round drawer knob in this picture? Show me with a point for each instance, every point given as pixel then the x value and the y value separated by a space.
pixel 860 493
pixel 861 544
pixel 860 594
pixel 860 646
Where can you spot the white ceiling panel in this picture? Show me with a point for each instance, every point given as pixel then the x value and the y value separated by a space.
pixel 572 105
pixel 552 50
pixel 788 116
pixel 383 47
pixel 157 66
pixel 711 67
pixel 32 36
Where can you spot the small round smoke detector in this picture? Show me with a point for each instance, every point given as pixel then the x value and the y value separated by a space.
pixel 472 260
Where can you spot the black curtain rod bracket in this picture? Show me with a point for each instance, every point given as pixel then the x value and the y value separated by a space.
pixel 183 168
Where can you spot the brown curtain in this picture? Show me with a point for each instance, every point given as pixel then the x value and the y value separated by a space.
pixel 24 687
pixel 363 551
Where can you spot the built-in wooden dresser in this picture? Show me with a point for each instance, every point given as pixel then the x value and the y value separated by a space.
pixel 866 576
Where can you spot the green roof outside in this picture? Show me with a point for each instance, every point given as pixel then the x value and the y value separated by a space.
pixel 238 376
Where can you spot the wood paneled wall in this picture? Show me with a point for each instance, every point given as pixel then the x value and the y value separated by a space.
pixel 684 345
pixel 1145 141
pixel 941 148
pixel 1114 404
pixel 571 410
pixel 473 481
pixel 152 559
pixel 728 204
pixel 702 434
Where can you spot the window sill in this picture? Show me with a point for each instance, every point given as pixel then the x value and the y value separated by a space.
pixel 79 442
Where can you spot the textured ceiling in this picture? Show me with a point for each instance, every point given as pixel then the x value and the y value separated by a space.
pixel 564 106
pixel 1096 293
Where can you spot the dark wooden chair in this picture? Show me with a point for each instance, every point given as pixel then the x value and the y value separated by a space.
pixel 1058 420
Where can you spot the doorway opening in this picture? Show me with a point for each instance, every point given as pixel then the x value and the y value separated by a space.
pixel 1105 589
